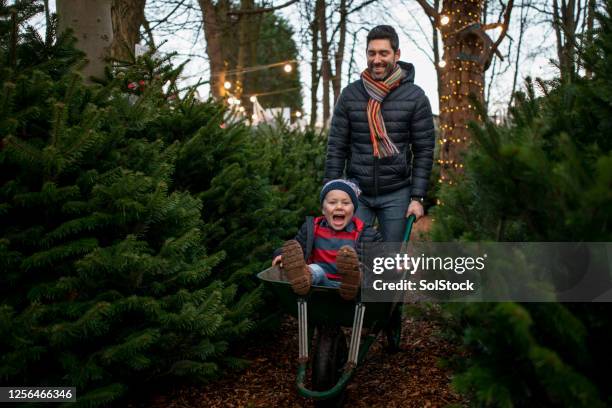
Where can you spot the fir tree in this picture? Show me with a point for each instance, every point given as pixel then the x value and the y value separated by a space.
pixel 545 177
pixel 105 279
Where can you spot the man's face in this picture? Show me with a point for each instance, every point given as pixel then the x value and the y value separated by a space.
pixel 381 58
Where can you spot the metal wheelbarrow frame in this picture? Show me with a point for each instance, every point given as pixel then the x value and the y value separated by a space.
pixel 323 306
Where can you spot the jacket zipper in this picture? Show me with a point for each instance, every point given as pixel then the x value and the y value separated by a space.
pixel 376 176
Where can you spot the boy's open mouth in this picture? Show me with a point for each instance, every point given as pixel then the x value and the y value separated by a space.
pixel 338 219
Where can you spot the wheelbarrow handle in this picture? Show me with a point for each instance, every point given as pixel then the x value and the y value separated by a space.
pixel 409 221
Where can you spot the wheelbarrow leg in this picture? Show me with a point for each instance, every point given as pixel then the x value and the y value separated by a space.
pixel 303 330
pixel 356 336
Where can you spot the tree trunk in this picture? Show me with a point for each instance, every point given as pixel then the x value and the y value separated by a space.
pixel 245 36
pixel 127 17
pixel 523 23
pixel 589 34
pixel 564 24
pixel 325 59
pixel 462 76
pixel 339 59
pixel 92 25
pixel 436 47
pixel 314 71
pixel 214 17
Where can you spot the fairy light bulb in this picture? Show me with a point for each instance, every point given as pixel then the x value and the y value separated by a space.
pixel 288 68
pixel 227 85
pixel 442 63
pixel 444 20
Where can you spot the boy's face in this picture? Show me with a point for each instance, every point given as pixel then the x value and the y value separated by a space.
pixel 338 209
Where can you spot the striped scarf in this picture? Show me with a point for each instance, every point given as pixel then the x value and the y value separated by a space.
pixel 378 90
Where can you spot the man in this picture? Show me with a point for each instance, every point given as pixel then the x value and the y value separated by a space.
pixel 382 134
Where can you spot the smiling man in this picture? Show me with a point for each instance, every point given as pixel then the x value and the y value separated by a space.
pixel 382 137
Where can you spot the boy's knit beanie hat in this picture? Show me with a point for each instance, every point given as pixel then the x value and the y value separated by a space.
pixel 348 187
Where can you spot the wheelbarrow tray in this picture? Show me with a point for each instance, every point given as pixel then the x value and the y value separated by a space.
pixel 325 306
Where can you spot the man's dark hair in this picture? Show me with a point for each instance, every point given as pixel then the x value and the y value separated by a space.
pixel 384 32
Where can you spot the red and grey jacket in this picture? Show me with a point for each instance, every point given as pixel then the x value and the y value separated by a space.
pixel 320 243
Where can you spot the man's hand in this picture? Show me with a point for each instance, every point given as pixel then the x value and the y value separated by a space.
pixel 415 208
pixel 277 261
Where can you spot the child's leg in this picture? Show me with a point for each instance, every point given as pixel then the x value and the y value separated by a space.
pixel 320 279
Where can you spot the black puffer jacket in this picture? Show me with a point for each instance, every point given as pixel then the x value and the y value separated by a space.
pixel 409 124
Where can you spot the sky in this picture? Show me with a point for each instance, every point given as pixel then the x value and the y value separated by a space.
pixel 414 31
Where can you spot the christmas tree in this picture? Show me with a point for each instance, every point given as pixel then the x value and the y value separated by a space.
pixel 545 177
pixel 105 278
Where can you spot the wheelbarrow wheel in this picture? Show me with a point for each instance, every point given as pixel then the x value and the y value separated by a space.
pixel 328 361
pixel 393 331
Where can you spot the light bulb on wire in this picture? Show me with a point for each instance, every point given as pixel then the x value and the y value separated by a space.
pixel 288 68
pixel 444 20
pixel 227 85
pixel 442 63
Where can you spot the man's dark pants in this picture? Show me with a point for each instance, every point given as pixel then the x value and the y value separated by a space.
pixel 390 210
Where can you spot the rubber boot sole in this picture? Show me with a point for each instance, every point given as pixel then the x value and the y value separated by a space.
pixel 347 263
pixel 298 274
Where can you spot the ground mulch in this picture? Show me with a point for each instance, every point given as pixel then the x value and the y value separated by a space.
pixel 411 377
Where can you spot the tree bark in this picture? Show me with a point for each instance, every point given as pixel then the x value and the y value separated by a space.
pixel 314 70
pixel 214 17
pixel 325 59
pixel 92 25
pixel 245 36
pixel 127 17
pixel 467 53
pixel 565 19
pixel 590 23
pixel 460 78
pixel 524 13
pixel 339 58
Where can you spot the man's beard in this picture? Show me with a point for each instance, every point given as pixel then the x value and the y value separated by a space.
pixel 387 69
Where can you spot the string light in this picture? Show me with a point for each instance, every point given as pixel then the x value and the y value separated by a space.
pixel 288 68
pixel 298 114
pixel 444 20
pixel 442 63
pixel 227 85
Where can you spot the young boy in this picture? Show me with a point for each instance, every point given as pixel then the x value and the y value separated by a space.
pixel 325 250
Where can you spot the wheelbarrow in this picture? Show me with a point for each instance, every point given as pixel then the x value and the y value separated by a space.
pixel 333 363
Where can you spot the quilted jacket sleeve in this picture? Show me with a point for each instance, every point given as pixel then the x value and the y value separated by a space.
pixel 423 143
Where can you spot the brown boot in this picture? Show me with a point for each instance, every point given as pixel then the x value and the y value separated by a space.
pixel 348 267
pixel 297 271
